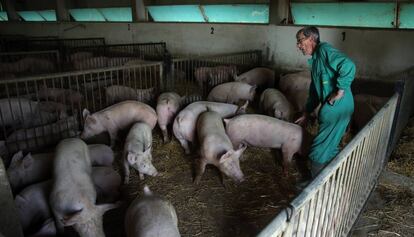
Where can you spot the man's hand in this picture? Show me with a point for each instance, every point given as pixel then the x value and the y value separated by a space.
pixel 303 120
pixel 335 96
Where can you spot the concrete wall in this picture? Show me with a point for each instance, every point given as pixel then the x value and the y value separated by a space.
pixel 376 52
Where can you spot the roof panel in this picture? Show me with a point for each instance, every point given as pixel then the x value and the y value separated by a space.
pixel 3 16
pixel 49 15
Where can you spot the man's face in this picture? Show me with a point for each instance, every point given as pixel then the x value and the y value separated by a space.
pixel 305 44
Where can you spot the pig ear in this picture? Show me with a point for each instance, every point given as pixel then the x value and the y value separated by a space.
pixel 226 121
pixel 132 159
pixel 74 218
pixel 16 159
pixel 226 156
pixel 147 191
pixel 253 89
pixel 85 113
pixel 242 146
pixel 27 161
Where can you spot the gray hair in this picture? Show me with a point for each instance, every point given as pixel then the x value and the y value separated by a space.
pixel 310 31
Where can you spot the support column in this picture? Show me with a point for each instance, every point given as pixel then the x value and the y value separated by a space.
pixel 11 10
pixel 279 12
pixel 139 12
pixel 62 12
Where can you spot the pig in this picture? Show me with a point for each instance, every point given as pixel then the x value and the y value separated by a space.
pixel 168 104
pixel 232 92
pixel 295 81
pixel 151 216
pixel 274 103
pixel 73 195
pixel 80 56
pixel 137 151
pixel 216 147
pixel 36 65
pixel 366 106
pixel 117 93
pixel 54 107
pixel 29 169
pixel 259 76
pixel 184 126
pixel 33 206
pixel 91 63
pixel 214 75
pixel 65 96
pixel 268 132
pixel 116 117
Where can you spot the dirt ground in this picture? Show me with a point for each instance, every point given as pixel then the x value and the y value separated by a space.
pixel 391 212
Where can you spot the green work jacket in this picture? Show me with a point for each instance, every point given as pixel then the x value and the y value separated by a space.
pixel 331 70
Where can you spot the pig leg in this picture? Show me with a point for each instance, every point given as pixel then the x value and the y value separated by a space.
pixel 185 145
pixel 113 137
pixel 200 170
pixel 126 171
pixel 164 133
pixel 141 176
pixel 287 158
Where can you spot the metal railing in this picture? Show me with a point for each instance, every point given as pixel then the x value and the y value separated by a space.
pixel 37 111
pixel 330 204
pixel 17 64
pixel 187 76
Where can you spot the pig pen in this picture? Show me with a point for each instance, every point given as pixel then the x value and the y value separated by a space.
pixel 209 209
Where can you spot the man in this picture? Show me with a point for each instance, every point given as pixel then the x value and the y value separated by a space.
pixel 332 74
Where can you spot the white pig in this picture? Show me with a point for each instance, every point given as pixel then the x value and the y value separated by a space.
pixel 168 105
pixel 118 93
pixel 151 216
pixel 91 63
pixel 67 96
pixel 117 117
pixel 33 206
pixel 137 151
pixel 29 169
pixel 268 132
pixel 295 81
pixel 232 92
pixel 275 104
pixel 73 195
pixel 216 147
pixel 185 122
pixel 260 77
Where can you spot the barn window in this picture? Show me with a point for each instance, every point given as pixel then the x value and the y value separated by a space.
pixel 87 14
pixel 354 14
pixel 406 15
pixel 242 13
pixel 118 14
pixel 344 14
pixel 235 13
pixel 176 13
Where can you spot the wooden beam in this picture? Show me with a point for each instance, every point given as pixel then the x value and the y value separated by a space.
pixel 139 12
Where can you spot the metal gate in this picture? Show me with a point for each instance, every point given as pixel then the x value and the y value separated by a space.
pixel 330 204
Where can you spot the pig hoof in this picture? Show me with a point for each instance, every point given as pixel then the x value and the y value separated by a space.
pixel 166 140
pixel 126 181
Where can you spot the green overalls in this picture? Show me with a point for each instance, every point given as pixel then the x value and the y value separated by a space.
pixel 331 70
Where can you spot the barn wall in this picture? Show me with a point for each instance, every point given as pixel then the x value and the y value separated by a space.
pixel 376 52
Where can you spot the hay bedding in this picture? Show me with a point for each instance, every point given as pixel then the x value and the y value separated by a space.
pixel 210 209
pixel 396 218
